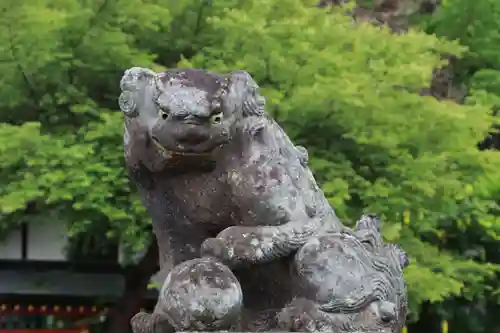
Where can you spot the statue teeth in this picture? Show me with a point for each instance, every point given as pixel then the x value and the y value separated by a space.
pixel 163 150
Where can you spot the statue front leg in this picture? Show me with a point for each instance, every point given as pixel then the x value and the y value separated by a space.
pixel 157 322
pixel 283 207
pixel 242 245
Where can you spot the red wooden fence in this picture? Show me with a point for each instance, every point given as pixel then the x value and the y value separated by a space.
pixel 44 331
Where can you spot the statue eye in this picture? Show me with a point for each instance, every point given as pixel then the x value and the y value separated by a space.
pixel 216 118
pixel 163 114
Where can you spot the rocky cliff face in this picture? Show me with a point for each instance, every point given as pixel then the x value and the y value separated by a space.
pixel 396 15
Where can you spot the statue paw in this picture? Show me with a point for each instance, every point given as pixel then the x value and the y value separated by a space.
pixel 144 322
pixel 302 315
pixel 234 247
pixel 201 294
pixel 216 248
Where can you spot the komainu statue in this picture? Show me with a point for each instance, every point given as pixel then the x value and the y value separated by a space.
pixel 247 240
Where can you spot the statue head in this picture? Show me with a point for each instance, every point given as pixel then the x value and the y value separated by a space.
pixel 186 112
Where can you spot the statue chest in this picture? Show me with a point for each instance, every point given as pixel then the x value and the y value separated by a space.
pixel 263 191
pixel 197 200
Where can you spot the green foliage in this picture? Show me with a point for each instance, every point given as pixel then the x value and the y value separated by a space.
pixel 61 70
pixel 350 93
pixel 475 25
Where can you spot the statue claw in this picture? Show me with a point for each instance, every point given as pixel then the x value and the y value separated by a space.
pixel 214 247
pixel 144 322
pixel 302 315
pixel 233 248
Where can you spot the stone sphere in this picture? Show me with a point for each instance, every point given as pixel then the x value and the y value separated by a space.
pixel 201 294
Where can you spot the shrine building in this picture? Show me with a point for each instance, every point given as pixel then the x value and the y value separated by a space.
pixel 49 285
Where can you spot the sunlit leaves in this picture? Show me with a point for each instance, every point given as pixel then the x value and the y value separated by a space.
pixel 352 96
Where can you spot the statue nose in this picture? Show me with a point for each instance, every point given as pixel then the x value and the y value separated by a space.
pixel 192 135
pixel 192 119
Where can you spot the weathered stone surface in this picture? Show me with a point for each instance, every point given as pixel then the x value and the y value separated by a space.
pixel 247 239
pixel 349 281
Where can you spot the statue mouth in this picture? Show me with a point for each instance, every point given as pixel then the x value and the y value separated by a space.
pixel 176 153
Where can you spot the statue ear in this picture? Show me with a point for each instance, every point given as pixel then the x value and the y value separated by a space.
pixel 242 93
pixel 134 81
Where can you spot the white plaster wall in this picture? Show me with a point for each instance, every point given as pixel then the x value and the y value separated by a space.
pixel 11 247
pixel 46 241
pixel 121 254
